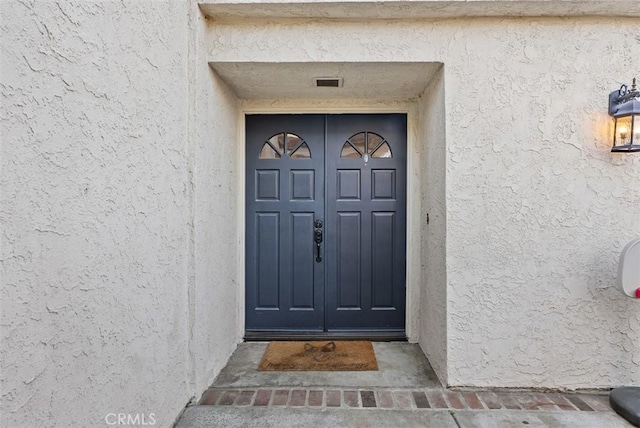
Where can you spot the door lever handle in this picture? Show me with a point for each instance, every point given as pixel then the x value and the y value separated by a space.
pixel 317 236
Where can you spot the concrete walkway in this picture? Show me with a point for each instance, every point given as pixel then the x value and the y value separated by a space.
pixel 203 416
pixel 405 392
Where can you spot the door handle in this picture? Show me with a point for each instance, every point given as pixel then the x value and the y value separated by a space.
pixel 317 237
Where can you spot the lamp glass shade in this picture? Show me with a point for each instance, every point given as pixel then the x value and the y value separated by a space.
pixel 626 137
pixel 623 134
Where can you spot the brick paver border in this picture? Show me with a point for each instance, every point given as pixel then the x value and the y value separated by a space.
pixel 405 399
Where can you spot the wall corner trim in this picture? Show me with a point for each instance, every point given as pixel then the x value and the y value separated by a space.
pixel 413 9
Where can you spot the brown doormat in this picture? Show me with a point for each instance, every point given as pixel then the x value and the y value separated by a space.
pixel 319 356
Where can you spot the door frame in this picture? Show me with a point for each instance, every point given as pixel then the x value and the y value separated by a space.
pixel 412 273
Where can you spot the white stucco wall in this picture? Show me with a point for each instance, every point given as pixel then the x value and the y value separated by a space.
pixel 215 289
pixel 537 209
pixel 119 176
pixel 432 181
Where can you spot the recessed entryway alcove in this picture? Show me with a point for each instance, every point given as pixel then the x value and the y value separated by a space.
pixel 412 88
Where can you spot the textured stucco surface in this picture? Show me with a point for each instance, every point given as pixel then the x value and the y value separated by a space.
pixel 94 203
pixel 535 202
pixel 118 287
pixel 432 181
pixel 215 289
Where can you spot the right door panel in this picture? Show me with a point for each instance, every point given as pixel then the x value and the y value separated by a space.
pixel 366 222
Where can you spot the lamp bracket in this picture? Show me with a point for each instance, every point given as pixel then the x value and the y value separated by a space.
pixel 622 95
pixel 625 94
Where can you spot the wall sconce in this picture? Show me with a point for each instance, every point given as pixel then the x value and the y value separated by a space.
pixel 624 107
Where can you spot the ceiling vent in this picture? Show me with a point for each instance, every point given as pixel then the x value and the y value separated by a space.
pixel 328 82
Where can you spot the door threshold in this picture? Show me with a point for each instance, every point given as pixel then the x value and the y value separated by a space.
pixel 375 336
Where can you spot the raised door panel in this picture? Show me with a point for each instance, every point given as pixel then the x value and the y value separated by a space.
pixel 349 261
pixel 302 262
pixel 267 266
pixel 383 259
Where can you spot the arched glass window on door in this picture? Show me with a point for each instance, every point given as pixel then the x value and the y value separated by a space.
pixel 285 144
pixel 366 143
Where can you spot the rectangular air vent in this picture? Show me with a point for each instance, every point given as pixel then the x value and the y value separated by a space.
pixel 328 82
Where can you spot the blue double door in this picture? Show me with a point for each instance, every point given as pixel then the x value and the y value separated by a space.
pixel 325 224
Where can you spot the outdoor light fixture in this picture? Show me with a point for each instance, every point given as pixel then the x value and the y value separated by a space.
pixel 624 107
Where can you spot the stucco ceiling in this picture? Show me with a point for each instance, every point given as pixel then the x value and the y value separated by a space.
pixel 371 80
pixel 414 9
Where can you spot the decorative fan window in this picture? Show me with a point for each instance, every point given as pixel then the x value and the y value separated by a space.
pixel 366 144
pixel 285 144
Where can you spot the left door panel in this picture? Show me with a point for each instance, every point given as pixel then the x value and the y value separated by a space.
pixel 284 197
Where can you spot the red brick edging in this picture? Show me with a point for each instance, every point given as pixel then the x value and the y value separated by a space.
pixel 401 399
